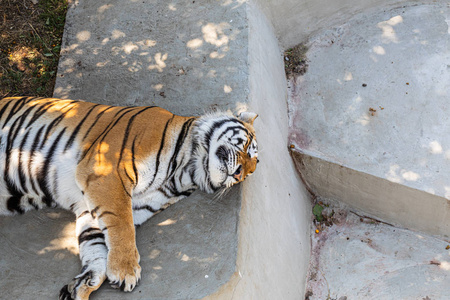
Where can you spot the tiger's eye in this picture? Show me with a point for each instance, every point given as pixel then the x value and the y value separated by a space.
pixel 238 171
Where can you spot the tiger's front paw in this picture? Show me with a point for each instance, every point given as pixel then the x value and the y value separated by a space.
pixel 83 285
pixel 123 270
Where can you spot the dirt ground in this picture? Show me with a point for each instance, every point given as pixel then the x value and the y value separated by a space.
pixel 30 41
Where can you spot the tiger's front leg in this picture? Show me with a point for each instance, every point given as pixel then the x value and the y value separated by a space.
pixel 111 205
pixel 93 255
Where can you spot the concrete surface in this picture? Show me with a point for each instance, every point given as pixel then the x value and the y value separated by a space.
pixel 373 103
pixel 40 251
pixel 296 21
pixel 186 56
pixel 189 57
pixel 359 258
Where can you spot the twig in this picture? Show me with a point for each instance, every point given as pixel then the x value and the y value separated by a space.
pixel 43 42
pixel 328 287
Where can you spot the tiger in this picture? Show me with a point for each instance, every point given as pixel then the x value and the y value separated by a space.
pixel 114 167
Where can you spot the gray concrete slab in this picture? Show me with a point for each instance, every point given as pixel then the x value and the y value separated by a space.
pixel 187 251
pixel 360 258
pixel 375 100
pixel 186 56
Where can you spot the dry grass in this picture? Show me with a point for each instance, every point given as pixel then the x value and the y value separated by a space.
pixel 30 42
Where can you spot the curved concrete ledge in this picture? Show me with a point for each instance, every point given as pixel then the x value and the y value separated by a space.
pixel 274 243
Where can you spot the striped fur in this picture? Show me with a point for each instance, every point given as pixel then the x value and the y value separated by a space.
pixel 114 167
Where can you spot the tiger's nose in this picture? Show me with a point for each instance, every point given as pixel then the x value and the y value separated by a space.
pixel 238 177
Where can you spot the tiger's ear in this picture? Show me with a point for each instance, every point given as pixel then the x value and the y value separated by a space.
pixel 247 117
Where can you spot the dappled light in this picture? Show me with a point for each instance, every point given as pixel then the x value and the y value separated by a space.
pixel 159 62
pixel 66 241
pixel 83 36
pixel 445 265
pixel 388 27
pixel 398 175
pixel 435 147
pixel 102 165
pixel 348 76
pixel 214 34
pixel 379 50
pixel 167 222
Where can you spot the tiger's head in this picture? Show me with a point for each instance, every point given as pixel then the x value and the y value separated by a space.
pixel 227 150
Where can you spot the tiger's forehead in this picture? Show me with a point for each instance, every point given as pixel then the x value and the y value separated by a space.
pixel 235 133
pixel 252 149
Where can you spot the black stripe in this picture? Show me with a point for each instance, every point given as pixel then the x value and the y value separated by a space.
pixel 30 161
pixel 13 204
pixel 4 108
pixel 107 213
pixel 107 129
pixel 159 152
pixel 99 115
pixel 22 177
pixel 232 128
pixel 124 142
pixel 43 174
pixel 82 214
pixel 162 191
pixel 181 137
pixel 133 160
pixel 127 131
pixel 125 188
pixel 147 207
pixel 22 118
pixel 77 129
pixel 55 123
pixel 90 234
pixel 215 126
pixel 94 212
pixel 16 107
pixel 32 203
pixel 42 109
pixel 186 193
pixel 98 243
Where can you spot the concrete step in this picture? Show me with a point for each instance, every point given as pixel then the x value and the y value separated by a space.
pixel 358 257
pixel 369 120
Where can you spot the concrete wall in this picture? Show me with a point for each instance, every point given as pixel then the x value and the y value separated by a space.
pixel 295 20
pixel 274 242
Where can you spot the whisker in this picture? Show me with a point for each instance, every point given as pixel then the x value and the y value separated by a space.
pixel 219 194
